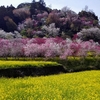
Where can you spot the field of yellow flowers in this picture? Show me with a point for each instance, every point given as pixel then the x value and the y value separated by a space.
pixel 71 86
pixel 21 64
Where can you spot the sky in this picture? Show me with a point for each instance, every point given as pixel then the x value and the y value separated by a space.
pixel 75 5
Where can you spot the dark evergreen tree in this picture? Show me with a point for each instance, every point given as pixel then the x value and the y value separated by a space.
pixel 10 24
pixel 32 8
pixel 42 2
pixel 33 1
pixel 88 14
pixel 5 12
pixel 24 5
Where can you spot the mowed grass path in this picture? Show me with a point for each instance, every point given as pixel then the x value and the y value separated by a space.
pixel 71 86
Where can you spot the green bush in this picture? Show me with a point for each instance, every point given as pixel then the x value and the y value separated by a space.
pixel 29 68
pixel 73 64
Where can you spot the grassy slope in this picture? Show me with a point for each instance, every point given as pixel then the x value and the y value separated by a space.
pixel 72 86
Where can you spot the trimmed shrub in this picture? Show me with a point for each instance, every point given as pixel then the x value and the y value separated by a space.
pixel 29 68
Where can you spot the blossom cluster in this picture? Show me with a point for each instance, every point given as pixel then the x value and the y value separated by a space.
pixel 91 33
pixel 47 47
pixel 9 35
pixel 51 30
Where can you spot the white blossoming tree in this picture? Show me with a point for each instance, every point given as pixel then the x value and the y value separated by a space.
pixel 51 30
pixel 88 34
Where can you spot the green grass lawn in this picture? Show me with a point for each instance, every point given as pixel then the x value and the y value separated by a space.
pixel 71 86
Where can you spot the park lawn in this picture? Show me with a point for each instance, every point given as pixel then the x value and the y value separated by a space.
pixel 71 86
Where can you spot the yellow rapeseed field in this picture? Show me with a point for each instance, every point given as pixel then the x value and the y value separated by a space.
pixel 18 64
pixel 72 86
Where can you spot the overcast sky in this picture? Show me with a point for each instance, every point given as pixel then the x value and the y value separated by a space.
pixel 75 5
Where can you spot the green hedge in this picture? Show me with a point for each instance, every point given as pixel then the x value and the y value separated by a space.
pixel 29 68
pixel 73 64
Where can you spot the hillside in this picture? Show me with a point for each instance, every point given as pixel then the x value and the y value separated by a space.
pixel 36 20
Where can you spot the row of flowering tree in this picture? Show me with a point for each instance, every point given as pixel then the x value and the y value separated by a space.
pixel 47 47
